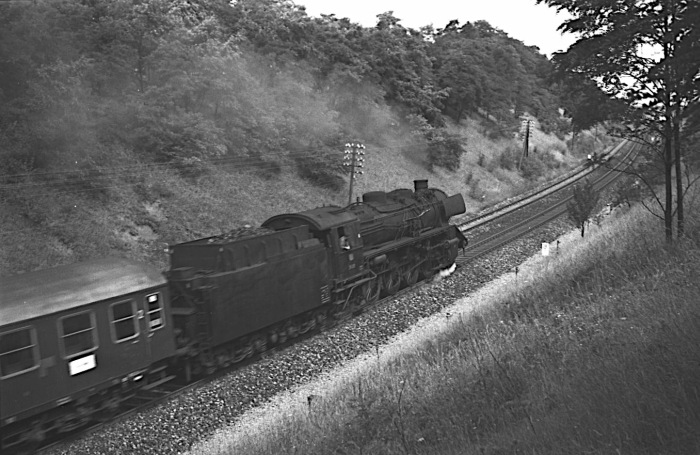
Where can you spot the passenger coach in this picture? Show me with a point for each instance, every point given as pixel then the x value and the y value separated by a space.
pixel 59 326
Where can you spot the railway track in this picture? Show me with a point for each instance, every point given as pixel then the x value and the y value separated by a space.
pixel 144 400
pixel 507 224
pixel 524 216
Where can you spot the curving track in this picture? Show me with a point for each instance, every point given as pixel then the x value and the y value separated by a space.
pixel 524 216
pixel 487 233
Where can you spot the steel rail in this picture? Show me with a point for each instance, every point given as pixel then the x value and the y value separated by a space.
pixel 552 212
pixel 540 193
pixel 148 399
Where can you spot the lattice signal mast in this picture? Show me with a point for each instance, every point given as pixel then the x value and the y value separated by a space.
pixel 354 159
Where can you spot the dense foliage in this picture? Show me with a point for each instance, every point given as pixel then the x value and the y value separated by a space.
pixel 484 70
pixel 251 83
pixel 645 53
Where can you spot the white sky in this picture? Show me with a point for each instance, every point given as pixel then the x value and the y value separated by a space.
pixel 534 25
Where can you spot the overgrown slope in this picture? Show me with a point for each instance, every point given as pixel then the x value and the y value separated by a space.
pixel 137 209
pixel 125 126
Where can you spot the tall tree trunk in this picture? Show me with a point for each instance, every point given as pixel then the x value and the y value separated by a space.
pixel 668 180
pixel 679 174
pixel 668 146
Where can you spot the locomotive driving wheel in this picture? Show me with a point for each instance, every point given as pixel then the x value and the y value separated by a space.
pixel 426 270
pixel 371 291
pixel 391 281
pixel 410 275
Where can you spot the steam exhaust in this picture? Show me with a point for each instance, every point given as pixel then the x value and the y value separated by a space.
pixel 444 273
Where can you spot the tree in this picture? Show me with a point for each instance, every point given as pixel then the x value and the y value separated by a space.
pixel 585 103
pixel 485 70
pixel 400 63
pixel 645 52
pixel 582 204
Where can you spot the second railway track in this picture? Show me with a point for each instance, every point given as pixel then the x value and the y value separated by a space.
pixel 480 245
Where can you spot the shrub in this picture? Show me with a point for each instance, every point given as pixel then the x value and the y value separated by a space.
pixel 468 178
pixel 319 172
pixel 475 191
pixel 508 159
pixel 444 150
pixel 532 168
pixel 582 144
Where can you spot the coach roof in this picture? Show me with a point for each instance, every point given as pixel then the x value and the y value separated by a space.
pixel 33 294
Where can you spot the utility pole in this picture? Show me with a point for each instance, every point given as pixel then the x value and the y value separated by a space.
pixel 525 132
pixel 354 159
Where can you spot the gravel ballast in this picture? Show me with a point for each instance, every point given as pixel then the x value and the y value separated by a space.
pixel 175 426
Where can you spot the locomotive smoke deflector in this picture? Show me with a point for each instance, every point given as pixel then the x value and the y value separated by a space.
pixel 454 205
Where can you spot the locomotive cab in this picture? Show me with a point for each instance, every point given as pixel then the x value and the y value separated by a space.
pixel 347 249
pixel 337 230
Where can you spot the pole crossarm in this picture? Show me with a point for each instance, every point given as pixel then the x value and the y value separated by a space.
pixel 354 160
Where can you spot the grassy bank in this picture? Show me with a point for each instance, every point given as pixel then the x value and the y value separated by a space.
pixel 596 351
pixel 121 206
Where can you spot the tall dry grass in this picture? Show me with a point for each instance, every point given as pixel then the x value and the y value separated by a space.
pixel 593 351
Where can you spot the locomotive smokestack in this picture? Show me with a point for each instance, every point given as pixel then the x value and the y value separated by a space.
pixel 420 185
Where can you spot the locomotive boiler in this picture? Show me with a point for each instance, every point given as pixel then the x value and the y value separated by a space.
pixel 234 296
pixel 385 217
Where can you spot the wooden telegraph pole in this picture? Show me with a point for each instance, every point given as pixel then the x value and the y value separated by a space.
pixel 525 132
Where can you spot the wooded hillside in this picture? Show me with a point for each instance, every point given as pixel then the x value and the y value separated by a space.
pixel 187 82
pixel 126 125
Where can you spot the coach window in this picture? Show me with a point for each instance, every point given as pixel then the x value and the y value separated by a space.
pixel 19 352
pixel 124 324
pixel 78 334
pixel 155 311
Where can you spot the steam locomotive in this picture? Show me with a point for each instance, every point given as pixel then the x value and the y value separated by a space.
pixel 78 340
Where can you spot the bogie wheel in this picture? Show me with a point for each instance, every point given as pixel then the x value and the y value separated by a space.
pixel 110 407
pixel 391 281
pixel 35 438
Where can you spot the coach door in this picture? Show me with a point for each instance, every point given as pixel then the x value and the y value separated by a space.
pixel 129 338
pixel 158 337
pixel 136 326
